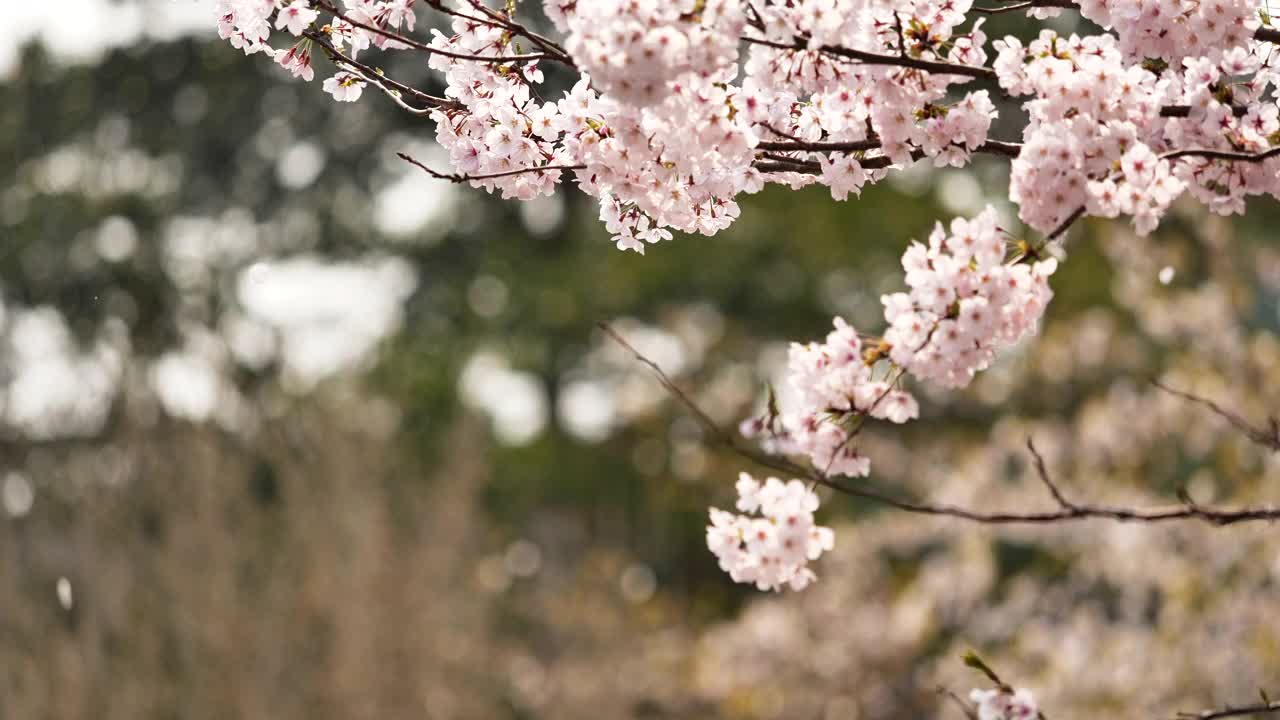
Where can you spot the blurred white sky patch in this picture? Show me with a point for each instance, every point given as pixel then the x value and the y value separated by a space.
pixel 413 206
pixel 329 316
pixel 56 389
pixel 515 401
pixel 81 30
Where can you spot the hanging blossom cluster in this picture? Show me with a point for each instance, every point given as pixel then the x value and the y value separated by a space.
pixel 1175 29
pixel 771 546
pixel 666 112
pixel 497 124
pixel 836 390
pixel 682 106
pixel 637 51
pixel 1107 138
pixel 965 303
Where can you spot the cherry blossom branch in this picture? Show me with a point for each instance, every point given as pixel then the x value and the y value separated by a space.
pixel 870 58
pixel 392 88
pixel 464 178
pixel 431 49
pixel 981 72
pixel 1264 34
pixel 1066 511
pixel 991 147
pixel 1268 437
pixel 1000 147
pixel 1182 111
pixel 817 146
pixel 1265 707
pixel 1222 155
pixel 497 19
pixel 772 162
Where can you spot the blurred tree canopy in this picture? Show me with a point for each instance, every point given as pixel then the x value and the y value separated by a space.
pixel 366 545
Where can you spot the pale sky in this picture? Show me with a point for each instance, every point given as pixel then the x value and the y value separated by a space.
pixel 80 30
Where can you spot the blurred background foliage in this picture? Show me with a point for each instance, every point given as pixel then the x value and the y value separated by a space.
pixel 290 430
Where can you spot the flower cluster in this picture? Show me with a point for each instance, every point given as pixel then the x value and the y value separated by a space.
pixel 666 130
pixel 836 392
pixel 1089 108
pixel 1144 188
pixel 904 107
pixel 773 547
pixel 246 24
pixel 1001 705
pixel 677 165
pixel 345 86
pixel 636 49
pixel 965 303
pixel 498 127
pixel 1214 95
pixel 1175 29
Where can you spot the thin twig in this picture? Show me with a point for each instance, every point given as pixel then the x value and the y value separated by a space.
pixel 392 88
pixel 463 178
pixel 1262 708
pixel 1067 510
pixel 1025 5
pixel 1268 437
pixel 959 702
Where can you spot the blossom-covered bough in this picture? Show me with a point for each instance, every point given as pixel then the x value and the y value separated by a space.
pixel 680 106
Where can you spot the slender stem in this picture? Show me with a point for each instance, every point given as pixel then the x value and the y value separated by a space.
pixel 463 178
pixel 1065 511
pixel 1262 708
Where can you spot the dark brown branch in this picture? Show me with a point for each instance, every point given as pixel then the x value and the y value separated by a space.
pixel 991 147
pixel 1181 111
pixel 870 58
pixel 769 166
pixel 817 146
pixel 1065 225
pixel 1222 155
pixel 463 178
pixel 800 165
pixel 1066 511
pixel 1262 708
pixel 1268 437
